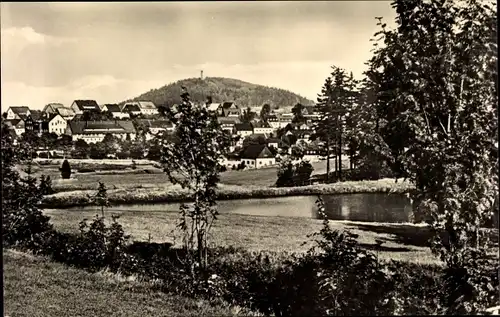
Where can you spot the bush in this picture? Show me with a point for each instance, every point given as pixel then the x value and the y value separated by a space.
pixel 85 170
pixel 290 174
pixel 65 170
pixel 223 168
pixel 46 185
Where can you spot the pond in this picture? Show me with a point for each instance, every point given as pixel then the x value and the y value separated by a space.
pixel 390 208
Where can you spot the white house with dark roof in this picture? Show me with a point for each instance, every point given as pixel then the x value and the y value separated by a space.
pixel 145 107
pixel 115 111
pixel 17 112
pixel 79 106
pixel 243 129
pixel 56 124
pixel 257 156
pixel 95 131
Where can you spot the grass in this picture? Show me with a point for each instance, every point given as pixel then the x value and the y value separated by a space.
pixel 258 233
pixel 155 193
pixel 34 286
pixel 121 176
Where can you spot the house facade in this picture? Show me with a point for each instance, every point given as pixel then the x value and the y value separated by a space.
pixel 17 112
pixel 57 124
pixel 257 156
pixel 95 131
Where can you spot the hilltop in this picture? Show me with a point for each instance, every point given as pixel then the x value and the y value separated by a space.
pixel 221 89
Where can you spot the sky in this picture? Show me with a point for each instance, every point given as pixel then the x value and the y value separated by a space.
pixel 110 52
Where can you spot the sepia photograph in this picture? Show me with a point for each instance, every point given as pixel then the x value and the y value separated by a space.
pixel 250 158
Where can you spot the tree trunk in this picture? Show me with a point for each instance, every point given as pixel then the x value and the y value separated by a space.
pixel 340 155
pixel 327 160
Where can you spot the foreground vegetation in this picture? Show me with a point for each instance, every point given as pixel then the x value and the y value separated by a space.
pixel 36 286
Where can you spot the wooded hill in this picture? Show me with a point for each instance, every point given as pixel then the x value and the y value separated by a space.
pixel 224 89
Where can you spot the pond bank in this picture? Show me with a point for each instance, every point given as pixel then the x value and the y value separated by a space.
pixel 173 193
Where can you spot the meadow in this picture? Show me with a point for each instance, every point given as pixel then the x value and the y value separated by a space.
pixel 36 286
pixel 405 242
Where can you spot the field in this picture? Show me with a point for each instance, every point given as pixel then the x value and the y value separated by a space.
pixel 401 241
pixel 145 174
pixel 34 286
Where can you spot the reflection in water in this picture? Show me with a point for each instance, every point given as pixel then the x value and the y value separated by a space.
pixel 355 207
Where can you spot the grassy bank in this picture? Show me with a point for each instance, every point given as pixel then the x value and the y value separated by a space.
pixel 135 194
pixel 34 286
pixel 406 242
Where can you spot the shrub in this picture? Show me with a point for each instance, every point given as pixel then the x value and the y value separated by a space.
pixel 85 170
pixel 65 170
pixel 223 168
pixel 98 245
pixel 134 165
pixel 290 174
pixel 46 185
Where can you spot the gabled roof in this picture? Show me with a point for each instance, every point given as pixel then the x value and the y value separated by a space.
pixel 227 105
pixel 20 110
pixel 36 115
pixel 131 107
pixel 53 105
pixel 254 151
pixel 15 122
pixel 213 106
pixel 66 112
pixel 146 105
pixel 52 116
pixel 113 107
pixel 87 105
pixel 244 126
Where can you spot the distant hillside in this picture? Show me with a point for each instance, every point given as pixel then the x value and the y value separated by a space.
pixel 224 89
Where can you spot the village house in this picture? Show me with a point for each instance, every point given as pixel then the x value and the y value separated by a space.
pixel 56 124
pixel 155 127
pixel 257 156
pixel 273 121
pixel 243 129
pixel 212 107
pixel 95 131
pixel 227 123
pixel 115 111
pixel 131 109
pixel 17 112
pixel 17 125
pixel 262 127
pixel 58 108
pixel 146 108
pixel 79 106
pixel 229 109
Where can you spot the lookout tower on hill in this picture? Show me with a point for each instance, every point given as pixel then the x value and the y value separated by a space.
pixel 201 75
